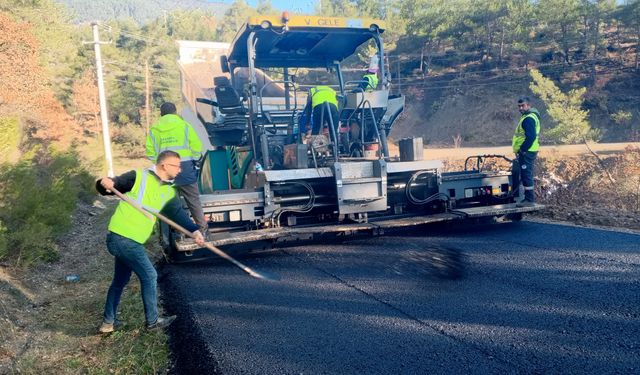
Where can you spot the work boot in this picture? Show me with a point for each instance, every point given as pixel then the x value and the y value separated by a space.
pixel 110 327
pixel 161 323
pixel 525 203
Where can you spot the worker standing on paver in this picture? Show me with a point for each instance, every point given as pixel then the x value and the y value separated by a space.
pixel 171 132
pixel 370 80
pixel 525 145
pixel 319 112
pixel 129 229
pixel 370 76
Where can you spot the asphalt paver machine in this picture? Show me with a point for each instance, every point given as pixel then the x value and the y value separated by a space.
pixel 263 182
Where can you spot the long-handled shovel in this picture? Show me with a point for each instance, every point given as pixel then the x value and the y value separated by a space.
pixel 256 274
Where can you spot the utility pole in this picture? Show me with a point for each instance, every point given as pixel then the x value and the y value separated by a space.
pixel 147 110
pixel 106 137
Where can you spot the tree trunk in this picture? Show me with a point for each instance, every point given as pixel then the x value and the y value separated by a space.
pixel 585 34
pixel 501 46
pixel 596 36
pixel 489 42
pixel 565 43
pixel 422 60
pixel 638 47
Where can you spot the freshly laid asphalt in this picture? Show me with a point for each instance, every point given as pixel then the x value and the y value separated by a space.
pixel 533 298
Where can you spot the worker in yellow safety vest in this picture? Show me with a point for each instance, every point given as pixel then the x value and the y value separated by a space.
pixel 370 80
pixel 172 132
pixel 129 229
pixel 525 145
pixel 318 112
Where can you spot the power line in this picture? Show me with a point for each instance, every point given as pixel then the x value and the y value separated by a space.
pixel 137 83
pixel 458 84
pixel 576 41
pixel 463 85
pixel 140 37
pixel 139 68
pixel 130 74
pixel 545 66
pixel 154 88
pixel 547 69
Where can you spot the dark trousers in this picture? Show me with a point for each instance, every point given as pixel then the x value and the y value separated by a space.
pixel 131 257
pixel 191 195
pixel 522 172
pixel 321 117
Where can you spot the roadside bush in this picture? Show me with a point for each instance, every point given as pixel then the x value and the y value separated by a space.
pixel 9 139
pixel 37 197
pixel 3 241
pixel 130 140
pixel 622 117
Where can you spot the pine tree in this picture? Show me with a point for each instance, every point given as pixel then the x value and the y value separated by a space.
pixel 571 121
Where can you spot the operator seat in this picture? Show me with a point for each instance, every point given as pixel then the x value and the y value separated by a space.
pixel 230 128
pixel 229 102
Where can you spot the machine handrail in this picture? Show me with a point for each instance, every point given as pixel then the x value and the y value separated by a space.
pixel 332 129
pixel 480 160
pixel 375 126
pixel 355 82
pixel 361 106
pixel 285 82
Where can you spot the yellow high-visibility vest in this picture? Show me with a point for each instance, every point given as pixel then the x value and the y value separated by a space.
pixel 148 191
pixel 321 94
pixel 519 136
pixel 173 133
pixel 372 81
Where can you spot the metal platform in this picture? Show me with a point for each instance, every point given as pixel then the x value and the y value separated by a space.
pixel 502 209
pixel 374 228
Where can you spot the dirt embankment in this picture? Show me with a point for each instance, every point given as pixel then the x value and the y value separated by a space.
pixel 482 111
pixel 478 116
pixel 583 190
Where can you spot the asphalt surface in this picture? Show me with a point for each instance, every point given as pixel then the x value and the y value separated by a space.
pixel 533 298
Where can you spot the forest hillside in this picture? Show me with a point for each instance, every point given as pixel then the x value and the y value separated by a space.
pixel 461 63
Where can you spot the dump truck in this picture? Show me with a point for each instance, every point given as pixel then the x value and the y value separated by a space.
pixel 263 182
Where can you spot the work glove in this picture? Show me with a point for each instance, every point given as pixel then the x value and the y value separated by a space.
pixel 197 236
pixel 107 183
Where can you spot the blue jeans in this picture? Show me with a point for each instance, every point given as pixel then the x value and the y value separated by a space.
pixel 131 256
pixel 522 171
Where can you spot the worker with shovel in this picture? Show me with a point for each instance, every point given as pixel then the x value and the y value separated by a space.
pixel 130 228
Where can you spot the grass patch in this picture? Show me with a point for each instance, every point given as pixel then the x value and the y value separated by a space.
pixel 73 347
pixel 67 341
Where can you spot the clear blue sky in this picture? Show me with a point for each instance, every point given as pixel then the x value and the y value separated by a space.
pixel 293 6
